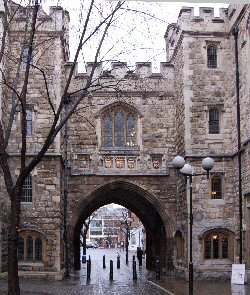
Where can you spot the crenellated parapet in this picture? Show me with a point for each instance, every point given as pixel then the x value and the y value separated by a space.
pixel 56 21
pixel 204 21
pixel 120 70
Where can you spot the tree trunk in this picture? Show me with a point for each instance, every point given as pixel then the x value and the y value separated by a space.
pixel 13 279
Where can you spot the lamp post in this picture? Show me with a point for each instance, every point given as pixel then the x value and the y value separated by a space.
pixel 126 221
pixel 187 170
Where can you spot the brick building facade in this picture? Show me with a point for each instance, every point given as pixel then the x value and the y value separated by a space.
pixel 122 140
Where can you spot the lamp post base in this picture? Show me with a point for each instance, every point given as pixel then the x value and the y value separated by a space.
pixel 191 278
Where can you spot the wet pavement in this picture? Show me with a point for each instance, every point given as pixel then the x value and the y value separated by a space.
pixel 123 282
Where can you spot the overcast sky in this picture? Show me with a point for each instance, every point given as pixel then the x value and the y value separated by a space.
pixel 136 36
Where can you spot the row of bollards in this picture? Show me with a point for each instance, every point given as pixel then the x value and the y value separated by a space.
pixel 111 273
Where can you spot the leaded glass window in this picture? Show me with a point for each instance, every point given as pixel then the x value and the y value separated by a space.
pixel 216 246
pixel 29 244
pixel 27 190
pixel 108 130
pixel 224 248
pixel 38 249
pixel 21 249
pixel 211 56
pixel 216 188
pixel 214 121
pixel 208 249
pixel 119 128
pixel 30 247
pixel 29 122
pixel 131 131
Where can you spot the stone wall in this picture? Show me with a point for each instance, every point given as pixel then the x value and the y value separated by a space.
pixel 171 109
pixel 203 87
pixel 44 214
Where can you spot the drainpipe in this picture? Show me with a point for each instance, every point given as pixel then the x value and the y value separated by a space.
pixel 65 203
pixel 237 80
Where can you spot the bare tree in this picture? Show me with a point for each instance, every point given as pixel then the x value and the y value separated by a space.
pixel 16 88
pixel 18 91
pixel 85 230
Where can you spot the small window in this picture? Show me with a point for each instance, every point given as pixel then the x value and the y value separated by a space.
pixel 216 246
pixel 211 57
pixel 216 187
pixel 214 121
pixel 27 190
pixel 30 247
pixel 28 122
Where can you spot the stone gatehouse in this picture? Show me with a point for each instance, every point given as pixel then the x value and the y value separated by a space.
pixel 121 142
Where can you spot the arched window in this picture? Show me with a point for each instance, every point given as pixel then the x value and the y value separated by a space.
pixel 119 128
pixel 38 249
pixel 214 121
pixel 216 187
pixel 218 245
pixel 211 56
pixel 27 190
pixel 21 249
pixel 31 246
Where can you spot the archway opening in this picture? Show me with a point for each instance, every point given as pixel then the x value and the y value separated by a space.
pixel 159 243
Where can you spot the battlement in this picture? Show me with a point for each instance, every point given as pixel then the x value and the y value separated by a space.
pixel 120 70
pixel 57 19
pixel 204 22
pixel 205 14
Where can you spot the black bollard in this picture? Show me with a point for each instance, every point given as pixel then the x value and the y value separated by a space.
pixel 134 271
pixel 88 270
pixel 118 261
pixel 157 270
pixel 89 264
pixel 133 259
pixel 111 270
pixel 103 262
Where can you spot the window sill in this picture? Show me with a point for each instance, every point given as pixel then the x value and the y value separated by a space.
pixel 216 201
pixel 214 136
pixel 26 203
pixel 211 262
pixel 30 263
pixel 120 149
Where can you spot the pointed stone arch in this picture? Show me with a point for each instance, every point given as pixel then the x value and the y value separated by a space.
pixel 151 211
